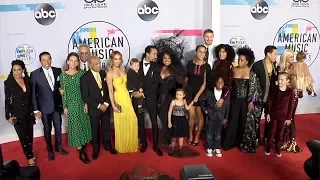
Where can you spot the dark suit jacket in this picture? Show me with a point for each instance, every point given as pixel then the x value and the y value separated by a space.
pixel 134 81
pixel 150 81
pixel 91 93
pixel 43 98
pixel 280 110
pixel 18 103
pixel 208 103
pixel 262 74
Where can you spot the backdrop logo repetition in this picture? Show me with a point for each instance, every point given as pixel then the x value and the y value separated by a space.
pixel 299 35
pixel 237 41
pixel 147 10
pixel 45 14
pixel 259 9
pixel 93 4
pixel 102 38
pixel 26 53
pixel 300 3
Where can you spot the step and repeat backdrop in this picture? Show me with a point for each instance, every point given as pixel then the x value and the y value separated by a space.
pixel 59 27
pixel 286 24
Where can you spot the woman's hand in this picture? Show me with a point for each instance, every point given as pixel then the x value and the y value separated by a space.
pixel 86 108
pixel 61 91
pixel 65 111
pixel 11 120
pixel 268 118
pixel 169 125
pixel 287 122
pixel 250 106
pixel 115 109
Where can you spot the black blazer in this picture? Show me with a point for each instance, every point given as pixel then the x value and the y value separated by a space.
pixel 262 74
pixel 18 103
pixel 90 91
pixel 43 98
pixel 134 81
pixel 150 81
pixel 208 103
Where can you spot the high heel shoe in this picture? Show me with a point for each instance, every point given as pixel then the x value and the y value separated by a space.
pixel 33 162
pixel 190 142
pixel 195 143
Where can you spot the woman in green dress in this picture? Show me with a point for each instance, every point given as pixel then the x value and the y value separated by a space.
pixel 79 127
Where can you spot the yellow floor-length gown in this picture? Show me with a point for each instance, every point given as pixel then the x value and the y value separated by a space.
pixel 125 122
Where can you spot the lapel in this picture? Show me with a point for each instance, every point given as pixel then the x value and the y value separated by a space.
pixel 55 75
pixel 150 71
pixel 91 75
pixel 141 69
pixel 43 78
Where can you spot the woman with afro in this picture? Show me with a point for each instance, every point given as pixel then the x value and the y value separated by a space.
pixel 245 103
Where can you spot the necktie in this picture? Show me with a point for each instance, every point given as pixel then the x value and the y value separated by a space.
pixel 98 79
pixel 146 64
pixel 50 80
pixel 207 54
pixel 84 67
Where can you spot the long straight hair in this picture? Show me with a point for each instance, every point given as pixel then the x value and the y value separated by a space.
pixel 78 59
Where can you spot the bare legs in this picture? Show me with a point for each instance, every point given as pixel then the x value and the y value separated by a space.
pixel 193 112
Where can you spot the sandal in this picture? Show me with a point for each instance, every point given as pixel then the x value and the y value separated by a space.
pixel 32 163
pixel 195 143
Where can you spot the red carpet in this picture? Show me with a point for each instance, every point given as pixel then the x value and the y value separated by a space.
pixel 233 164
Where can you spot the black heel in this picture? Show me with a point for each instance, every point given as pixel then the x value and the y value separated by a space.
pixel 195 144
pixel 190 142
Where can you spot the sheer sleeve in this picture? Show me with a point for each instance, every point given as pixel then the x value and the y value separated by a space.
pixel 301 76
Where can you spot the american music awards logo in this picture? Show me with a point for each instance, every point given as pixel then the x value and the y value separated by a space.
pixel 237 42
pixel 26 53
pixel 299 35
pixel 102 38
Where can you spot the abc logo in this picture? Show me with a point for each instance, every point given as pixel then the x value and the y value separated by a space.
pixel 259 9
pixel 147 10
pixel 45 14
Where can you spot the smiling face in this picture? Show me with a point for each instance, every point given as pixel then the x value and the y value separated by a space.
pixel 73 62
pixel 17 71
pixel 208 38
pixel 166 60
pixel 201 53
pixel 45 61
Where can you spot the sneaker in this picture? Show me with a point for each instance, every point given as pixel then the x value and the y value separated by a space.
pixel 209 152
pixel 218 152
pixel 278 155
pixel 267 151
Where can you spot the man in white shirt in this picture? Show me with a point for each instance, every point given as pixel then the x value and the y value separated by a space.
pixel 84 54
pixel 208 36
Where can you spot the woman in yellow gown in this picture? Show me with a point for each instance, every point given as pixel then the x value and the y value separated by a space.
pixel 124 117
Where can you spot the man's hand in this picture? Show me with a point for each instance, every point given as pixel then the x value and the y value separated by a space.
pixel 86 108
pixel 103 107
pixel 224 123
pixel 137 94
pixel 38 115
pixel 61 91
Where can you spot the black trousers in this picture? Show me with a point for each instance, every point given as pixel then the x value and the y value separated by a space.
pixel 151 106
pixel 47 121
pixel 25 133
pixel 165 134
pixel 99 119
pixel 236 123
pixel 213 132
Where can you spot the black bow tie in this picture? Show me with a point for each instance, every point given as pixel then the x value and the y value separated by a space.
pixel 146 64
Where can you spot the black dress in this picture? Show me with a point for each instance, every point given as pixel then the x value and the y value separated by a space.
pixel 238 113
pixel 195 74
pixel 19 104
pixel 166 93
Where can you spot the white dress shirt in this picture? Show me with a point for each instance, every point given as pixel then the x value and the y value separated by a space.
pixel 82 65
pixel 145 68
pixel 49 74
pixel 217 94
pixel 212 56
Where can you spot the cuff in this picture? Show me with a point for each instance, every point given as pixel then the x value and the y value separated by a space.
pixel 105 103
pixel 36 111
pixel 98 106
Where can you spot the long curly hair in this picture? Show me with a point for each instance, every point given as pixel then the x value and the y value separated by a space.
pixel 248 53
pixel 229 49
pixel 173 46
pixel 23 67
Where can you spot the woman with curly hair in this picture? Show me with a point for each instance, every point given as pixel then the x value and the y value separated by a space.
pixel 245 103
pixel 172 77
pixel 223 66
pixel 18 107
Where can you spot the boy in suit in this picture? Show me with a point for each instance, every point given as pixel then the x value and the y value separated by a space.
pixel 216 116
pixel 134 84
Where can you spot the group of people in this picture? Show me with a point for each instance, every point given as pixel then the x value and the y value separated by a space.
pixel 226 98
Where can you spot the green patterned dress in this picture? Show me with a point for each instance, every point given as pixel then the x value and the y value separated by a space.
pixel 79 127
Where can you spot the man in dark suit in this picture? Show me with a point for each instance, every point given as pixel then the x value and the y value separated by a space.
pixel 266 72
pixel 150 74
pixel 47 102
pixel 94 92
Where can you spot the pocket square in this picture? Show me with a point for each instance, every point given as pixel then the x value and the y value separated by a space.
pixel 58 78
